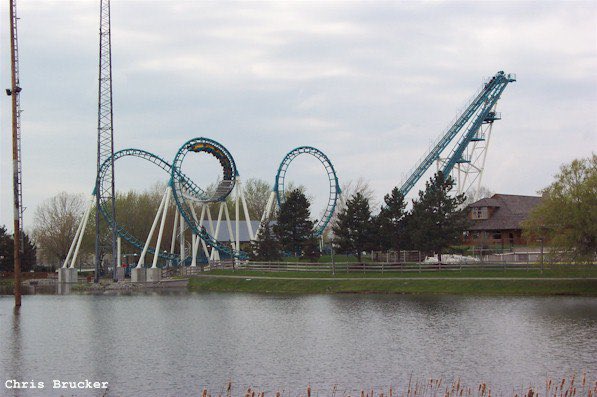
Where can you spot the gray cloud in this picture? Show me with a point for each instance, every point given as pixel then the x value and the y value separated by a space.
pixel 370 84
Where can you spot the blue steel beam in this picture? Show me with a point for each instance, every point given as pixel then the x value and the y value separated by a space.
pixel 105 207
pixel 185 209
pixel 334 190
pixel 493 95
pixel 472 115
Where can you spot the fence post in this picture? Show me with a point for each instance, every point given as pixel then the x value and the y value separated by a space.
pixel 541 255
pixel 333 267
pixel 503 260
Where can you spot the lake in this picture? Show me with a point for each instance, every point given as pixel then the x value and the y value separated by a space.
pixel 175 343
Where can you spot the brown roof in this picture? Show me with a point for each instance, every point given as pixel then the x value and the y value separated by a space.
pixel 486 202
pixel 510 211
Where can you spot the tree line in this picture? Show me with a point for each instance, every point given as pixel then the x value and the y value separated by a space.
pixel 566 220
pixel 436 221
pixel 28 255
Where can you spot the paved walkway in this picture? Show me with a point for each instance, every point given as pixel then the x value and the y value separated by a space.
pixel 401 278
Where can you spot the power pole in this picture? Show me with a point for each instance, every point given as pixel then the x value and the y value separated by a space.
pixel 105 133
pixel 14 91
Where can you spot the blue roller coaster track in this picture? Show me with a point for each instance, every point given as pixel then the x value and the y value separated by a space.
pixel 180 183
pixel 224 188
pixel 334 190
pixel 479 111
pixel 105 202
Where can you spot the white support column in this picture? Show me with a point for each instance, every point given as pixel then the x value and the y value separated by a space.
pixel 459 178
pixel 161 232
pixel 202 217
pixel 199 222
pixel 485 148
pixel 209 220
pixel 266 212
pixel 72 265
pixel 193 250
pixel 153 226
pixel 174 231
pixel 230 234
pixel 237 216
pixel 118 251
pixel 182 239
pixel 246 212
pixel 80 232
pixel 217 231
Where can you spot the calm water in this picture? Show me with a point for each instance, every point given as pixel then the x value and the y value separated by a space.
pixel 172 344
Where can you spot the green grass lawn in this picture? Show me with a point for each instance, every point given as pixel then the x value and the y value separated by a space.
pixel 542 283
pixel 414 286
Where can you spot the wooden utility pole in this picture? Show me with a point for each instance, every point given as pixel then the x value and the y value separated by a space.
pixel 16 149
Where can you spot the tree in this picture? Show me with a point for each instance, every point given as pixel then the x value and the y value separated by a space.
pixel 474 195
pixel 390 221
pixel 349 189
pixel 294 228
pixel 311 249
pixel 353 228
pixel 136 212
pixel 28 256
pixel 567 214
pixel 257 192
pixel 6 251
pixel 266 247
pixel 56 221
pixel 437 219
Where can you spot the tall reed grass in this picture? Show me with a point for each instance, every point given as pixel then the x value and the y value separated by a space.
pixel 566 387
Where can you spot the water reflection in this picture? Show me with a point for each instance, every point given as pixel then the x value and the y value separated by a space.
pixel 15 358
pixel 173 342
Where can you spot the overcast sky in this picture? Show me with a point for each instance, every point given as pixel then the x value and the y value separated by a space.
pixel 370 84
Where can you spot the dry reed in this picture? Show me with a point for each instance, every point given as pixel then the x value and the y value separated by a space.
pixel 567 387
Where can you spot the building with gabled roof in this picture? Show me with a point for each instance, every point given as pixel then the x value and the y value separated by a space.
pixel 497 220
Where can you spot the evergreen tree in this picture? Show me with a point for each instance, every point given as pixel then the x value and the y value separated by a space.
pixel 294 228
pixel 28 256
pixel 436 220
pixel 266 247
pixel 353 230
pixel 6 251
pixel 390 221
pixel 311 249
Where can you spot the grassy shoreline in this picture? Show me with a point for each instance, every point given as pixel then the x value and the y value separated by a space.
pixel 409 283
pixel 552 282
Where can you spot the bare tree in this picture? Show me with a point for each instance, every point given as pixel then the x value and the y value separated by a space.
pixel 477 194
pixel 56 221
pixel 257 192
pixel 351 188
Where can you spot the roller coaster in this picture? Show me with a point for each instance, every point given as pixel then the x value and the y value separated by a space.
pixel 188 197
pixel 472 129
pixel 470 134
